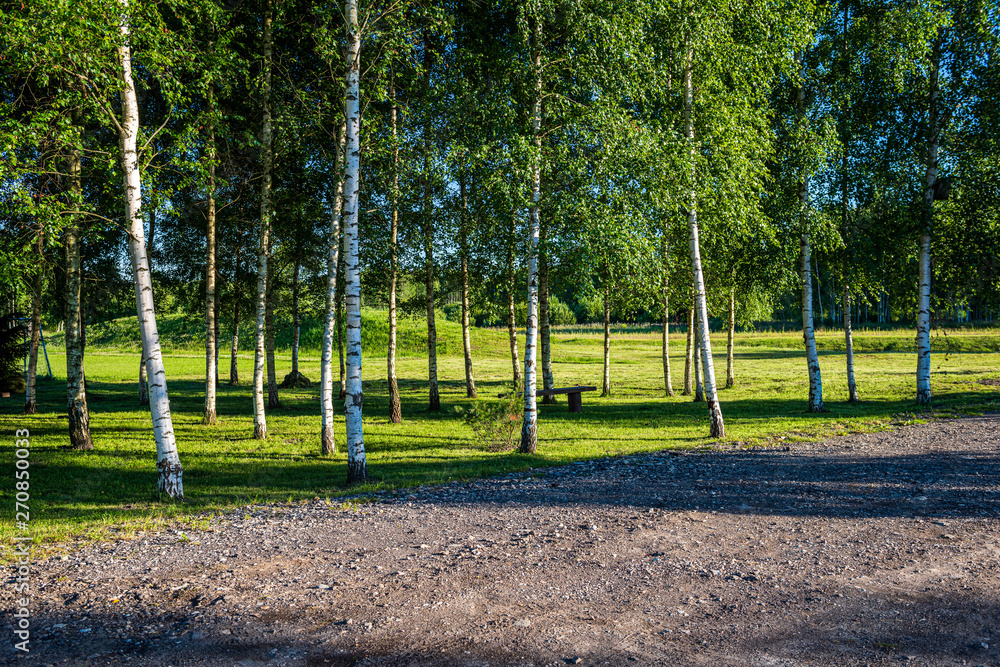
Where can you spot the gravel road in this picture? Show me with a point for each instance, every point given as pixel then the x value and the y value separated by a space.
pixel 867 549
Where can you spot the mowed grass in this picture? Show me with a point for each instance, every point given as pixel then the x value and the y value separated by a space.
pixel 111 491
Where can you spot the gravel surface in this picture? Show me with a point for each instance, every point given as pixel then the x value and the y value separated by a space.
pixel 867 549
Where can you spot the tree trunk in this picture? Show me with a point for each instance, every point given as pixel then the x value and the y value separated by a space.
pixel 260 350
pixel 395 404
pixel 30 400
pixel 470 383
pixel 668 384
pixel 924 295
pixel 511 312
pixel 435 400
pixel 328 444
pixel 852 388
pixel 548 382
pixel 357 470
pixel 819 294
pixel 529 427
pixel 699 384
pixel 808 331
pixel 210 322
pixel 689 353
pixel 234 374
pixel 606 384
pixel 143 380
pixel 76 394
pixel 340 319
pixel 167 461
pixel 717 428
pixel 730 370
pixel 272 381
pixel 295 321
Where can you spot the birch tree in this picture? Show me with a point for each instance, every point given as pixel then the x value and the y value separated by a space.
pixel 357 471
pixel 327 440
pixel 167 461
pixel 264 249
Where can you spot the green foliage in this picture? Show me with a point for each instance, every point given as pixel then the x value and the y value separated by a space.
pixel 497 423
pixel 12 351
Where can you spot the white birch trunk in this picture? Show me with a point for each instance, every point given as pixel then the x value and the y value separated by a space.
pixel 852 387
pixel 717 428
pixel 606 383
pixel 808 329
pixel 730 361
pixel 357 470
pixel 544 325
pixel 328 443
pixel 529 427
pixel 434 397
pixel 395 404
pixel 668 384
pixel 167 461
pixel 689 353
pixel 511 312
pixel 30 399
pixel 211 343
pixel 76 392
pixel 924 294
pixel 470 382
pixel 699 384
pixel 260 351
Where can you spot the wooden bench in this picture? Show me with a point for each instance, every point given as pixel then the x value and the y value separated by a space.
pixel 575 398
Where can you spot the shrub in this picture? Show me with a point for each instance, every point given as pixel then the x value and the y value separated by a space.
pixel 497 423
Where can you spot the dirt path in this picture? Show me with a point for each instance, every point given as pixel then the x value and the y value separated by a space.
pixel 863 550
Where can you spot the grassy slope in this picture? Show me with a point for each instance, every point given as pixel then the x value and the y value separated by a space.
pixel 112 488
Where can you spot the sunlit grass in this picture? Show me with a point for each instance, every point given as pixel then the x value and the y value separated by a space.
pixel 111 491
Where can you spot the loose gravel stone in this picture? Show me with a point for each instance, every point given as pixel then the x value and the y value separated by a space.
pixel 867 549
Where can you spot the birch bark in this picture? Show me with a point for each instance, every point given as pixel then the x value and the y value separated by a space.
pixel 606 384
pixel 470 383
pixel 511 312
pixel 545 330
pixel 328 443
pixel 167 461
pixel 689 353
pixel 717 428
pixel 529 427
pixel 357 470
pixel 699 384
pixel 668 384
pixel 924 294
pixel 852 387
pixel 272 381
pixel 234 371
pixel 730 370
pixel 395 404
pixel 434 402
pixel 295 322
pixel 76 392
pixel 210 323
pixel 808 330
pixel 260 351
pixel 30 399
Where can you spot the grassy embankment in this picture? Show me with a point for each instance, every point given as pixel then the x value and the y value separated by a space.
pixel 111 491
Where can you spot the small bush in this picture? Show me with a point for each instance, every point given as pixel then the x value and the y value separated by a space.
pixel 497 423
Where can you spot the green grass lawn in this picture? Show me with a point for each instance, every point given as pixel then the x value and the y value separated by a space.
pixel 111 491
